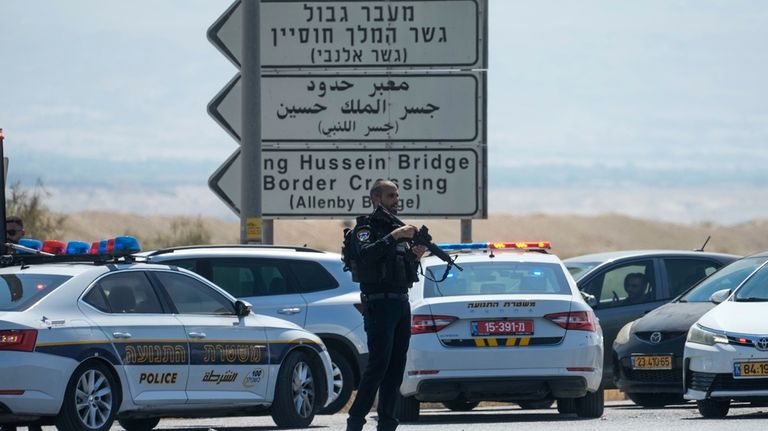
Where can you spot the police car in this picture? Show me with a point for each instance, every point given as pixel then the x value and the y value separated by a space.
pixel 92 340
pixel 510 326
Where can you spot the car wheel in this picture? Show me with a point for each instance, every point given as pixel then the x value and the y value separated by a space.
pixel 654 400
pixel 91 399
pixel 713 408
pixel 295 393
pixel 535 405
pixel 566 406
pixel 591 405
pixel 407 409
pixel 143 424
pixel 343 381
pixel 460 405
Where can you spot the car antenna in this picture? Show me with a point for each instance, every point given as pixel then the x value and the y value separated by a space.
pixel 705 244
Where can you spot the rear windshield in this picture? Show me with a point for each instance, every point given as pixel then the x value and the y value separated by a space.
pixel 497 278
pixel 21 291
pixel 728 277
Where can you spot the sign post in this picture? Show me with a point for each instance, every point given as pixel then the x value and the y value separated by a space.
pixel 3 215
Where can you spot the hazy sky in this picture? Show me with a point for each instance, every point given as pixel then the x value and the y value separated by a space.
pixel 656 109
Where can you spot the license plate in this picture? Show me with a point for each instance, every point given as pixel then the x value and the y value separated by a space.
pixel 658 362
pixel 750 369
pixel 502 327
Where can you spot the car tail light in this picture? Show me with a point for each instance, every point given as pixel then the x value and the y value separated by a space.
pixel 578 320
pixel 22 340
pixel 425 323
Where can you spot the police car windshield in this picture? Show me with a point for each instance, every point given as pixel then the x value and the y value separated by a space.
pixel 729 277
pixel 499 278
pixel 20 291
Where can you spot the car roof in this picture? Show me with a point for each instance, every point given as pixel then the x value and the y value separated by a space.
pixel 77 268
pixel 501 255
pixel 613 255
pixel 246 250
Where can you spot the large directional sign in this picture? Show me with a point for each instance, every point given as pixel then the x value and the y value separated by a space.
pixel 354 91
pixel 416 107
pixel 335 183
pixel 302 34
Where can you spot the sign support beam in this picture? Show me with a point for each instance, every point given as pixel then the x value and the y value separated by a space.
pixel 250 213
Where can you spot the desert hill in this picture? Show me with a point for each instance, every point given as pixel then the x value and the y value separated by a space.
pixel 570 235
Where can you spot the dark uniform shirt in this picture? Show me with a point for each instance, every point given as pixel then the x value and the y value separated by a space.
pixel 385 264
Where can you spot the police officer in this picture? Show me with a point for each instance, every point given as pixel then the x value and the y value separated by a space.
pixel 386 268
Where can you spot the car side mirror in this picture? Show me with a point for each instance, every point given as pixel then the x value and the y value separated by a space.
pixel 589 299
pixel 720 296
pixel 242 308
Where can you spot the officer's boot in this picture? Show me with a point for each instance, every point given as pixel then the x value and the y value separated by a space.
pixel 355 423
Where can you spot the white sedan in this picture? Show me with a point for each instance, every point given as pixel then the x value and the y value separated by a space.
pixel 83 344
pixel 726 352
pixel 512 326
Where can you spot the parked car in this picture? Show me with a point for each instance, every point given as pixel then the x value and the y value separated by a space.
pixel 726 351
pixel 305 286
pixel 85 343
pixel 648 352
pixel 668 273
pixel 512 326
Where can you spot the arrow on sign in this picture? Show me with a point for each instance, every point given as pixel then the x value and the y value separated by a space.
pixel 226 34
pixel 225 182
pixel 226 110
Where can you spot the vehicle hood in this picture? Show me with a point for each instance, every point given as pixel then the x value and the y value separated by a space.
pixel 737 317
pixel 672 317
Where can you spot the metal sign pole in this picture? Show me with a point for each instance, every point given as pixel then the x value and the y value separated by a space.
pixel 2 191
pixel 250 151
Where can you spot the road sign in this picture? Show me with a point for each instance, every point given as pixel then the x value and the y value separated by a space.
pixel 300 34
pixel 363 107
pixel 327 183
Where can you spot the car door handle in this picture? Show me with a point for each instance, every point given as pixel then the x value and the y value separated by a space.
pixel 121 335
pixel 289 310
pixel 197 335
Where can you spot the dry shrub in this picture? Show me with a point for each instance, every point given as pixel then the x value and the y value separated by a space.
pixel 182 231
pixel 39 222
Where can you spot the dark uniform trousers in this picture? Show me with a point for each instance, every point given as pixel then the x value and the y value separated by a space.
pixel 388 326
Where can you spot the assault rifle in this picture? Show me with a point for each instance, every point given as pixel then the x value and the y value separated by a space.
pixel 422 237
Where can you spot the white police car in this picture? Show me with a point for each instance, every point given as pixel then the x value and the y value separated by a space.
pixel 512 326
pixel 726 352
pixel 84 343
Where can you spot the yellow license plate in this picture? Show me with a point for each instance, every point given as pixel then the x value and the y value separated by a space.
pixel 661 362
pixel 750 369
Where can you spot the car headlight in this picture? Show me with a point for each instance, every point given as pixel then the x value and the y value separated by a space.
pixel 623 336
pixel 701 335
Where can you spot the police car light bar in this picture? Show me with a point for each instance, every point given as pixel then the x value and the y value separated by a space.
pixel 538 245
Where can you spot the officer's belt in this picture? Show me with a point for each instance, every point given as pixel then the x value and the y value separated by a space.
pixel 385 295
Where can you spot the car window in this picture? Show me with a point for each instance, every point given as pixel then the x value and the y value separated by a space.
pixel 311 276
pixel 242 277
pixel 728 277
pixel 20 291
pixel 129 292
pixel 609 286
pixel 190 296
pixel 684 273
pixel 486 278
pixel 578 269
pixel 754 289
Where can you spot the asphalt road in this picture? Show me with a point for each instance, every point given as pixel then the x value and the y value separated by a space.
pixel 619 415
